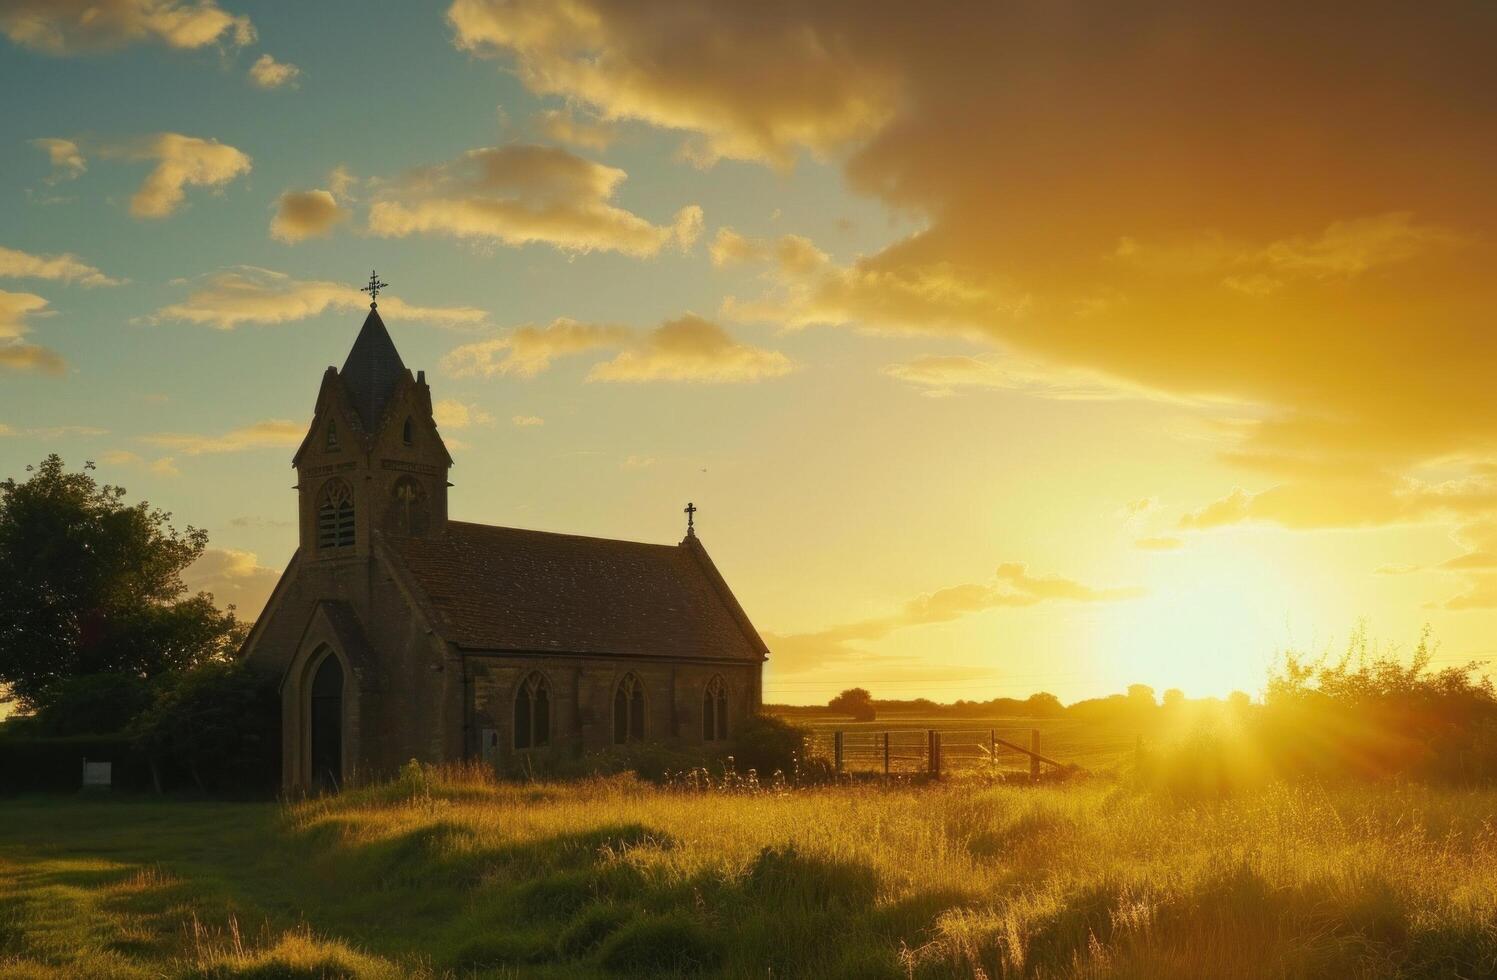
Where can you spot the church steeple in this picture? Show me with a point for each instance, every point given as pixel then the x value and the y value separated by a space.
pixel 372 370
pixel 373 461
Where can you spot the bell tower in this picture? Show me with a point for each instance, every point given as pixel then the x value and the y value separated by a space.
pixel 373 460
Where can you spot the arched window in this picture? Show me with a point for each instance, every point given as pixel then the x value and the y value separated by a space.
pixel 715 711
pixel 408 507
pixel 407 431
pixel 335 516
pixel 628 710
pixel 331 439
pixel 533 713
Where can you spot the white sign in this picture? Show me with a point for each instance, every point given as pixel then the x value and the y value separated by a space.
pixel 97 773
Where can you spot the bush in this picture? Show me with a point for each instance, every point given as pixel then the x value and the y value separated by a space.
pixel 769 745
pixel 219 723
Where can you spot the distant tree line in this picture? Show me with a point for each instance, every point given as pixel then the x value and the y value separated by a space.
pixel 100 639
pixel 1138 704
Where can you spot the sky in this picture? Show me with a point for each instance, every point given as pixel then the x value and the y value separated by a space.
pixel 1007 347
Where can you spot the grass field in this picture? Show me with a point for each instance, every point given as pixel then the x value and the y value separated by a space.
pixel 451 876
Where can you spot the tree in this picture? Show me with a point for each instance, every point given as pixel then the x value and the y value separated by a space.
pixel 854 701
pixel 1141 694
pixel 92 585
pixel 1044 705
pixel 1174 698
pixel 218 722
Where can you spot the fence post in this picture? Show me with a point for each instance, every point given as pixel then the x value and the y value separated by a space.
pixel 886 753
pixel 1034 747
pixel 934 752
pixel 837 750
pixel 992 748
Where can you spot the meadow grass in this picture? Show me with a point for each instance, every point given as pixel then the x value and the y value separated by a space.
pixel 450 874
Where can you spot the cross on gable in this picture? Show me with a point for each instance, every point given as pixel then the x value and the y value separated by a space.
pixel 375 285
pixel 690 512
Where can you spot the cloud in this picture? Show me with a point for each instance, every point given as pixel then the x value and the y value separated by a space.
pixel 527 421
pixel 1139 507
pixel 690 348
pixel 564 126
pixel 527 351
pixel 260 435
pixel 66 158
pixel 1253 237
pixel 266 72
pixel 161 466
pixel 944 375
pixel 1356 499
pixel 305 214
pixel 66 27
pixel 453 414
pixel 15 354
pixel 234 577
pixel 246 294
pixel 1012 586
pixel 705 74
pixel 519 194
pixel 181 162
pixel 67 267
pixel 1159 543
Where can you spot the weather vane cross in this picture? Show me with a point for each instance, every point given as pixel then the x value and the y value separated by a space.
pixel 691 513
pixel 375 285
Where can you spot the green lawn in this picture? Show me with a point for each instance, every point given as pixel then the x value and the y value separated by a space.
pixel 458 877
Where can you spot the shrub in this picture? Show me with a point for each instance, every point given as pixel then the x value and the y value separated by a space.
pixel 769 745
pixel 219 723
pixel 92 704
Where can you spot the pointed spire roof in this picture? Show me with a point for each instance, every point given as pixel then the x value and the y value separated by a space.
pixel 372 370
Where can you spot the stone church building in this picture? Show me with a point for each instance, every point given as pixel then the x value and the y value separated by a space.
pixel 401 634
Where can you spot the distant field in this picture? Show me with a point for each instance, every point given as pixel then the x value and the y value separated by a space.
pixel 449 877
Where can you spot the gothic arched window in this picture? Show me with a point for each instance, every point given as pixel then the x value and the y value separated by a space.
pixel 628 710
pixel 715 711
pixel 408 507
pixel 407 431
pixel 331 437
pixel 533 713
pixel 335 516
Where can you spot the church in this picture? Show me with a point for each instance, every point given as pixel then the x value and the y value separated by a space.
pixel 400 634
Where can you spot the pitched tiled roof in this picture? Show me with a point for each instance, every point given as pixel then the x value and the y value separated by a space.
pixel 371 371
pixel 501 588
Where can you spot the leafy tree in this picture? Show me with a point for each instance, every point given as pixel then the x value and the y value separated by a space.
pixel 854 701
pixel 91 585
pixel 1174 698
pixel 1141 694
pixel 1044 705
pixel 93 704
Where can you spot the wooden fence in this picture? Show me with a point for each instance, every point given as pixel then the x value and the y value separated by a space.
pixel 930 751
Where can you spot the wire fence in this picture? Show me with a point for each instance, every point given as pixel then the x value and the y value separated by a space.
pixel 933 752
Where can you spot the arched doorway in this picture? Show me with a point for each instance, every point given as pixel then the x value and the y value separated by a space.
pixel 327 725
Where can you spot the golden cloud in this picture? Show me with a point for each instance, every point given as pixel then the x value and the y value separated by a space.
pixel 64 27
pixel 305 214
pixel 181 162
pixel 705 75
pixel 520 194
pixel 688 348
pixel 453 414
pixel 235 578
pixel 16 354
pixel 67 267
pixel 527 351
pixel 266 72
pixel 943 375
pixel 1013 585
pixel 527 421
pixel 564 126
pixel 1253 236
pixel 1159 543
pixel 66 158
pixel 259 435
pixel 246 294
